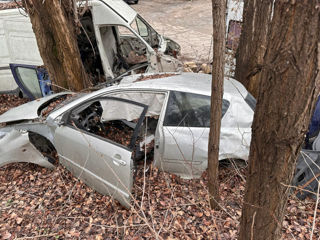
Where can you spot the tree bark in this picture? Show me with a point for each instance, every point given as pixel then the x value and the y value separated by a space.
pixel 219 28
pixel 55 29
pixel 288 92
pixel 253 41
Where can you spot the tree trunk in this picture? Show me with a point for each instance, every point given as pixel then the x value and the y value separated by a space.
pixel 53 23
pixel 219 28
pixel 253 41
pixel 289 89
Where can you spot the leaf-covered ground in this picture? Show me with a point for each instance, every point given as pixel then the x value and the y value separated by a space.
pixel 37 203
pixel 9 5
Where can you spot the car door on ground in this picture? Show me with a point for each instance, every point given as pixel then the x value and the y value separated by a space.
pixel 96 144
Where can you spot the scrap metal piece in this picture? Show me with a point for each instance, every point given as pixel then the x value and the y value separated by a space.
pixel 28 111
pixel 307 174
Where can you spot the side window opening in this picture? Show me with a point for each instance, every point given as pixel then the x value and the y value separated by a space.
pixel 146 135
pixel 123 49
pixel 133 49
pixel 111 119
pixel 115 118
pixel 146 32
pixel 190 110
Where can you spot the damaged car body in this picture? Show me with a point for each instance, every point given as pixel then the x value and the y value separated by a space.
pixel 122 42
pixel 101 136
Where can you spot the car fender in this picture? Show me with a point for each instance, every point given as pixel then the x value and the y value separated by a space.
pixel 16 147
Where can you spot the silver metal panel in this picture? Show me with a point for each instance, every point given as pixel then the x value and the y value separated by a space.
pixel 102 165
pixel 40 128
pixel 185 151
pixel 15 147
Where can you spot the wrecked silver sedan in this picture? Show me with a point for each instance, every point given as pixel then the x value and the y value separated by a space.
pixel 100 136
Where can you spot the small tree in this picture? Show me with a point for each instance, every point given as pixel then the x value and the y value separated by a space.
pixel 289 87
pixel 219 29
pixel 55 26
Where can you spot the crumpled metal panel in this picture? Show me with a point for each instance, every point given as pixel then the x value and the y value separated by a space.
pixel 16 147
pixel 27 111
pixel 307 173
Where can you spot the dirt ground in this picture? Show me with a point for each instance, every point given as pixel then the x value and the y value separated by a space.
pixel 188 22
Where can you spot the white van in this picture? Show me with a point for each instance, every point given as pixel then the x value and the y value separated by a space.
pixel 114 41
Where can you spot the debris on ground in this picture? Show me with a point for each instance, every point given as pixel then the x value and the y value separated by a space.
pixel 117 132
pixel 198 67
pixel 154 76
pixel 9 101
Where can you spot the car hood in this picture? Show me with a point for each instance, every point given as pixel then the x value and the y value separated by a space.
pixel 27 111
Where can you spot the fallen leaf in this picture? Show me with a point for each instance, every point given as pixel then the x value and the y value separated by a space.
pixel 19 220
pixel 6 235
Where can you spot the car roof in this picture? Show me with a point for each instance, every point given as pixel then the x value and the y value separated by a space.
pixel 184 82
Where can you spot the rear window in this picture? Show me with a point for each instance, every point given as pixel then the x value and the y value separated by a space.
pixel 190 110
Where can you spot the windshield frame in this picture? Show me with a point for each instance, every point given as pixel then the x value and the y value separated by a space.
pixel 151 32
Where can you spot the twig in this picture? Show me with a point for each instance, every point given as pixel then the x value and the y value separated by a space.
pixel 252 225
pixel 299 188
pixel 216 227
pixel 145 164
pixel 315 212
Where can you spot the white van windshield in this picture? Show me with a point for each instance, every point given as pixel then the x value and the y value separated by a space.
pixel 146 32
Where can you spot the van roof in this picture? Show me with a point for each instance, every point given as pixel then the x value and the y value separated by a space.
pixel 121 8
pixel 118 6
